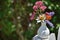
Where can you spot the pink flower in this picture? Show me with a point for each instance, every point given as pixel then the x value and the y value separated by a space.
pixel 32 16
pixel 39 3
pixel 47 13
pixel 43 8
pixel 35 8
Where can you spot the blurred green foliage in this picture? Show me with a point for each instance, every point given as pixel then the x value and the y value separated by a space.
pixel 11 9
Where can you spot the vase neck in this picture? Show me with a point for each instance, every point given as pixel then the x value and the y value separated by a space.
pixel 43 23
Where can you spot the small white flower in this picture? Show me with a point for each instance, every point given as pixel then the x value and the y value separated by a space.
pixel 30 14
pixel 18 17
pixel 29 4
pixel 29 24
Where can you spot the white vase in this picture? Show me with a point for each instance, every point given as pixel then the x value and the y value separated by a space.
pixel 36 37
pixel 43 31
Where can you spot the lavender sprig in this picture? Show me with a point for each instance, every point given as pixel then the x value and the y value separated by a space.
pixel 48 22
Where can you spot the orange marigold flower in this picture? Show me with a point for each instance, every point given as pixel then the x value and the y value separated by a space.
pixel 48 17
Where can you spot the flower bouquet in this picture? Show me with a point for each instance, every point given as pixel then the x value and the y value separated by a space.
pixel 43 17
pixel 39 10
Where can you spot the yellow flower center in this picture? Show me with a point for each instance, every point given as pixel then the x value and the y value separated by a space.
pixel 42 17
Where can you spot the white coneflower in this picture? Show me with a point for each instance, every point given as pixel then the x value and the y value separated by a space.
pixel 41 18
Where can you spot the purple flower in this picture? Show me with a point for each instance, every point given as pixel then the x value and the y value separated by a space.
pixel 51 13
pixel 49 23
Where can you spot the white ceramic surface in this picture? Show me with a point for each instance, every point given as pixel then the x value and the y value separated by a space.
pixel 58 38
pixel 43 31
pixel 52 36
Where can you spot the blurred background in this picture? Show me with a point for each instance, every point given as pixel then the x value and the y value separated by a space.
pixel 14 19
